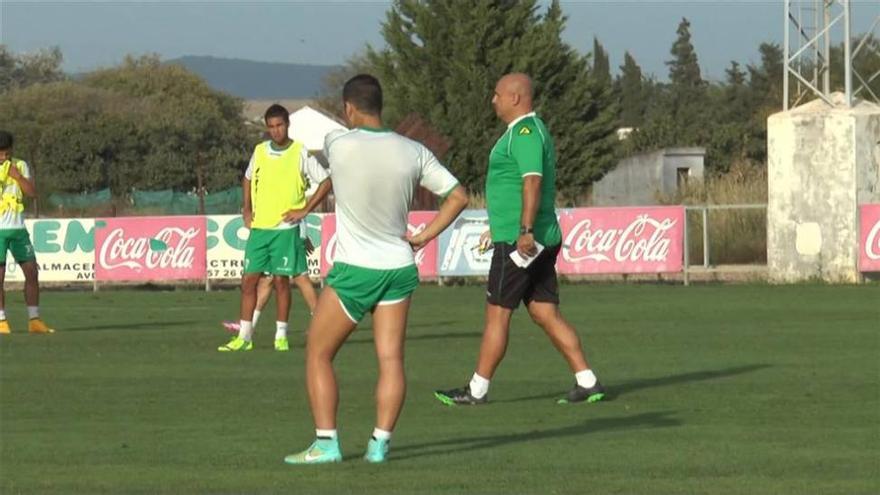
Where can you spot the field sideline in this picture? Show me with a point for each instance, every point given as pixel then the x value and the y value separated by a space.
pixel 715 389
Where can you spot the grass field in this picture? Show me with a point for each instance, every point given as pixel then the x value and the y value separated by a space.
pixel 716 389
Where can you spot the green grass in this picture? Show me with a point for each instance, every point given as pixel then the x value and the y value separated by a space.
pixel 716 389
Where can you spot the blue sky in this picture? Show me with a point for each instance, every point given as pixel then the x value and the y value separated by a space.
pixel 95 34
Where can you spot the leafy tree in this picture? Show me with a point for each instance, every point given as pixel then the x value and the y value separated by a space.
pixel 601 64
pixel 633 93
pixel 193 127
pixel 143 125
pixel 19 71
pixel 687 90
pixel 442 60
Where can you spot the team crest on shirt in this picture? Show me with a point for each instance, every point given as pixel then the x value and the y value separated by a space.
pixel 524 131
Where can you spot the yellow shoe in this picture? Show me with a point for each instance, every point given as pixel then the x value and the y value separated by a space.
pixel 4 328
pixel 36 325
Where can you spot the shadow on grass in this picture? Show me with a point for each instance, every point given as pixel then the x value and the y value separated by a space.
pixel 616 390
pixel 131 325
pixel 469 444
pixel 429 336
pixel 364 333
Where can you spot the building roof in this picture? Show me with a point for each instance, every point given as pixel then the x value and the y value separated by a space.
pixel 309 126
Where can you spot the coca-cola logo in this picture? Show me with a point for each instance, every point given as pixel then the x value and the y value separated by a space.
pixel 872 242
pixel 644 239
pixel 135 253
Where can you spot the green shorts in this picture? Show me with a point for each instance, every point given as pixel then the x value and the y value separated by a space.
pixel 19 242
pixel 277 252
pixel 362 289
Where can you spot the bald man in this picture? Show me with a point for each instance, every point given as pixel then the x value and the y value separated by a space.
pixel 520 192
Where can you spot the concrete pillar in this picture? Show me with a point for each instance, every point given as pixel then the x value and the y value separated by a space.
pixel 823 161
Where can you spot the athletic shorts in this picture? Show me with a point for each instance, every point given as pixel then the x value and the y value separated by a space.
pixel 276 252
pixel 19 242
pixel 509 284
pixel 362 289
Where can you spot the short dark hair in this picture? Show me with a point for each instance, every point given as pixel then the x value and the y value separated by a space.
pixel 365 93
pixel 5 140
pixel 276 110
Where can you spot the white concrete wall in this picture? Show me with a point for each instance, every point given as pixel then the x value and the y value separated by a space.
pixel 822 163
pixel 676 158
pixel 639 179
pixel 635 180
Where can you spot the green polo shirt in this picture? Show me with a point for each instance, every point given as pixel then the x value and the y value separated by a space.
pixel 526 148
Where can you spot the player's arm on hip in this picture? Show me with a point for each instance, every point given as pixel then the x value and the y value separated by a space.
pixel 455 202
pixel 321 193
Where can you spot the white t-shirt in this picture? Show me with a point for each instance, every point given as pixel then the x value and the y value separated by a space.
pixel 309 167
pixel 12 219
pixel 375 174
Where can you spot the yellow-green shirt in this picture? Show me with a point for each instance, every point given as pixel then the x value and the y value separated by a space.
pixel 12 197
pixel 279 181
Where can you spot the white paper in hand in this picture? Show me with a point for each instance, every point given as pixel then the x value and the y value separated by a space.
pixel 524 261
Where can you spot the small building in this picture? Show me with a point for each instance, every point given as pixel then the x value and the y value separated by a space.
pixel 640 179
pixel 309 126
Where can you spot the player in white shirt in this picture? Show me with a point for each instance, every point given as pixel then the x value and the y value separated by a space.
pixel 374 173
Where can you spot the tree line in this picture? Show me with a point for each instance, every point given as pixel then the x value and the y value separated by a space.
pixel 148 125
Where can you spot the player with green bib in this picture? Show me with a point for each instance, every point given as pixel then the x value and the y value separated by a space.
pixel 274 189
pixel 16 183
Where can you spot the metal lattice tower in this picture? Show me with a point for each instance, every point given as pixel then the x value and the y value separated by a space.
pixel 811 27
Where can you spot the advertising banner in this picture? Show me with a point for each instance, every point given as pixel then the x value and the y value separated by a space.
pixel 621 240
pixel 150 248
pixel 869 238
pixel 65 250
pixel 458 253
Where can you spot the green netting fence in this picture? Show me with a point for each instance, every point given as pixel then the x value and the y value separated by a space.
pixel 165 202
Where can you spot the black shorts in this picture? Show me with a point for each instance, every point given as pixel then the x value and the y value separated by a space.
pixel 510 284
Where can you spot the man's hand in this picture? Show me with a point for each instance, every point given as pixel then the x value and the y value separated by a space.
pixel 293 216
pixel 526 245
pixel 485 241
pixel 417 241
pixel 15 173
pixel 248 217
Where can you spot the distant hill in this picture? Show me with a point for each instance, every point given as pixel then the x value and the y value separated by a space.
pixel 258 80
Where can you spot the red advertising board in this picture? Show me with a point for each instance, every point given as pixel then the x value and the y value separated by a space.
pixel 621 240
pixel 869 238
pixel 150 248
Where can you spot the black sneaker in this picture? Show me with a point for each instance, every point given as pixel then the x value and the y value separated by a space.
pixel 581 394
pixel 460 397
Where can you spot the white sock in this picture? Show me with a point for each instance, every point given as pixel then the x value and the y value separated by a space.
pixel 2 314
pixel 331 434
pixel 585 378
pixel 280 329
pixel 33 312
pixel 479 386
pixel 245 330
pixel 380 434
pixel 255 318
